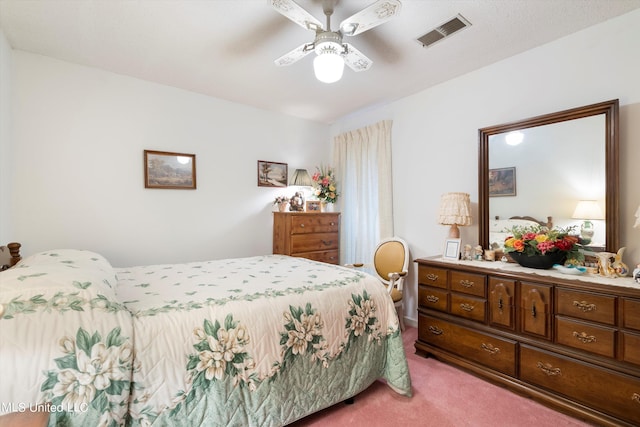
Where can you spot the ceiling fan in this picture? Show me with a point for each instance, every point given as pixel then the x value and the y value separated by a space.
pixel 331 52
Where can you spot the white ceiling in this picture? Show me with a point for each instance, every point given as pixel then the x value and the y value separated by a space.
pixel 226 48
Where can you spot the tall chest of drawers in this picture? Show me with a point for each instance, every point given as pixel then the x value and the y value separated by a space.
pixel 573 344
pixel 312 235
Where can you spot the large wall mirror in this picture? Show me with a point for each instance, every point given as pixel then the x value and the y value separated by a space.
pixel 545 166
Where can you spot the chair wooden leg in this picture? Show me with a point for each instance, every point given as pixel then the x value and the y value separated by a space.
pixel 400 310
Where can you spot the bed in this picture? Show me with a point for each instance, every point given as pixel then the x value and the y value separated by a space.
pixel 263 340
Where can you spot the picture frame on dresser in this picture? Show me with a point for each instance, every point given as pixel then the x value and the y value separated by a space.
pixel 313 205
pixel 451 249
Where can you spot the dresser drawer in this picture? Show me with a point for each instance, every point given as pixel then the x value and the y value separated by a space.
pixel 433 298
pixel 585 305
pixel 313 242
pixel 535 309
pixel 631 348
pixel 468 283
pixel 615 393
pixel 631 313
pixel 502 302
pixel 330 257
pixel 496 353
pixel 432 276
pixel 319 223
pixel 586 336
pixel 468 307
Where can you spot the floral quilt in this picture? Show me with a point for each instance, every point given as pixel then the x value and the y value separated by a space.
pixel 66 343
pixel 255 341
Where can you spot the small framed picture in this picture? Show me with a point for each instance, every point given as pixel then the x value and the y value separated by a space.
pixel 502 182
pixel 313 206
pixel 451 249
pixel 163 169
pixel 272 174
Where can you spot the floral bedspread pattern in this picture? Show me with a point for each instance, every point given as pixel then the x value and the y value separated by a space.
pixel 255 341
pixel 66 343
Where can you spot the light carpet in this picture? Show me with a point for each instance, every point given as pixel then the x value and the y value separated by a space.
pixel 443 396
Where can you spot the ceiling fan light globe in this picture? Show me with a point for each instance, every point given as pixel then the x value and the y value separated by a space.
pixel 328 67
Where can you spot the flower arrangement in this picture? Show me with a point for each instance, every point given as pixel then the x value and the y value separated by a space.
pixel 324 185
pixel 538 240
pixel 281 199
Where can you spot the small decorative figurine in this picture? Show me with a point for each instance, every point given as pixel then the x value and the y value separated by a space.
pixel 478 253
pixel 466 255
pixel 636 273
pixel 296 204
pixel 604 264
pixel 618 266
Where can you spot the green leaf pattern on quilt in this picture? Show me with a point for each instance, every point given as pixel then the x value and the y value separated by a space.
pixel 92 378
pixel 221 350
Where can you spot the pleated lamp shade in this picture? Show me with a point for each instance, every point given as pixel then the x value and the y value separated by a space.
pixel 455 210
pixel 300 178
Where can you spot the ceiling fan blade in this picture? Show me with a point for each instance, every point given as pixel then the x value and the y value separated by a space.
pixel 369 17
pixel 355 59
pixel 297 14
pixel 295 55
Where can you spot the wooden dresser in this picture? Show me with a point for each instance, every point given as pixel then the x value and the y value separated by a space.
pixel 311 235
pixel 571 343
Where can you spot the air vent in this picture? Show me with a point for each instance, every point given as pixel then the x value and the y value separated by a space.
pixel 445 30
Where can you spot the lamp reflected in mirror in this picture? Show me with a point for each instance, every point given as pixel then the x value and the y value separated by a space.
pixel 587 210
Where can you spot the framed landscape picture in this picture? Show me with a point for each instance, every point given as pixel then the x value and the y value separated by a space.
pixel 272 174
pixel 163 169
pixel 502 182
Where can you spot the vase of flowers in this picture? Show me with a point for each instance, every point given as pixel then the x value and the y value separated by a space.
pixel 282 203
pixel 539 247
pixel 324 187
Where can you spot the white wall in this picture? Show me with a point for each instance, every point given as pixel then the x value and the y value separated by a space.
pixel 435 132
pixel 5 138
pixel 79 136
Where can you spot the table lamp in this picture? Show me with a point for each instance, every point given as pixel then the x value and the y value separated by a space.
pixel 455 210
pixel 587 210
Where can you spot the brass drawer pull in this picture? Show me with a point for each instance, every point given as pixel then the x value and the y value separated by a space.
pixel 490 348
pixel 548 369
pixel 435 330
pixel 432 298
pixel 584 338
pixel 466 283
pixel 327 242
pixel 635 397
pixel 432 277
pixel 467 307
pixel 584 306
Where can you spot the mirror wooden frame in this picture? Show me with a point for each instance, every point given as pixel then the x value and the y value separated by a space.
pixel 610 111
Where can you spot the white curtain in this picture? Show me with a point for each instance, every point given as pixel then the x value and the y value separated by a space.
pixel 362 161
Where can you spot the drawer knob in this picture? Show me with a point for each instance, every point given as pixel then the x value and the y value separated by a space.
pixel 332 223
pixel 548 369
pixel 466 283
pixel 301 225
pixel 584 306
pixel 489 348
pixel 435 330
pixel 432 277
pixel 583 337
pixel 635 397
pixel 467 307
pixel 432 298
